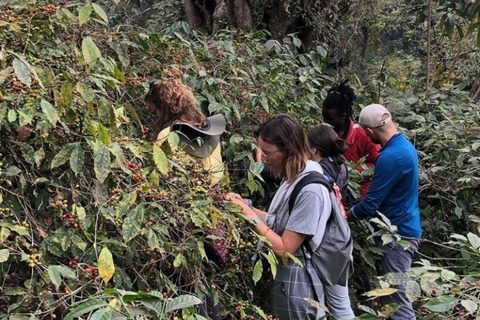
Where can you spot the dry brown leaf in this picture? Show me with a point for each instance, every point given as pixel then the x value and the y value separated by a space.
pixel 23 133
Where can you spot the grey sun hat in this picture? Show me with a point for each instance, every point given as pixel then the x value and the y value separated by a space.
pixel 200 142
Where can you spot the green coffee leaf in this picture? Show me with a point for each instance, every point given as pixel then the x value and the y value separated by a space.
pixel 90 51
pixel 101 13
pixel 22 71
pixel 257 271
pixel 101 160
pixel 39 156
pixel 132 224
pixel 474 240
pixel 12 115
pixel 77 158
pixel 127 200
pixel 66 95
pixel 85 307
pixel 102 314
pixel 448 275
pixel 4 254
pixel 184 301
pixel 84 14
pixel 106 268
pixel 180 261
pixel 85 91
pixel 61 157
pixel 154 179
pixel 49 111
pixel 103 135
pixel 160 159
pixel 470 305
pixel 4 234
pixel 54 275
pixel 81 215
pixel 441 304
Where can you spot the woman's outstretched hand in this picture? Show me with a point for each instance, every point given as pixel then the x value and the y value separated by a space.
pixel 237 199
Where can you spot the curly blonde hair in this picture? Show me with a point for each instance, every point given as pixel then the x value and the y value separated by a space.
pixel 175 101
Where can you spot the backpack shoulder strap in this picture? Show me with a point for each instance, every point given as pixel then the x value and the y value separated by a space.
pixel 313 177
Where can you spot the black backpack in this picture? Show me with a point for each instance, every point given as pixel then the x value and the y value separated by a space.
pixel 332 260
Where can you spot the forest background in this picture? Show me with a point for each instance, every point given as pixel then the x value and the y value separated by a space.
pixel 97 222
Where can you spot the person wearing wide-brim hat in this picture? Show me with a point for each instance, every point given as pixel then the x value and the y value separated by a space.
pixel 197 138
pixel 175 109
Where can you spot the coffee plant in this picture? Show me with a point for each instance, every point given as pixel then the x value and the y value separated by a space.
pixel 97 221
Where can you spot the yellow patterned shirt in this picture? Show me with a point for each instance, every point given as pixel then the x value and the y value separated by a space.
pixel 213 163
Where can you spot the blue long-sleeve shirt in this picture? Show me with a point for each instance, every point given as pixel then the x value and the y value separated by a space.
pixel 393 190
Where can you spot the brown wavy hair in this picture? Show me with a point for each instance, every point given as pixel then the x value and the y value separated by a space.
pixel 288 136
pixel 323 138
pixel 175 101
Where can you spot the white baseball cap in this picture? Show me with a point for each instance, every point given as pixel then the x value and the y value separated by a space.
pixel 373 116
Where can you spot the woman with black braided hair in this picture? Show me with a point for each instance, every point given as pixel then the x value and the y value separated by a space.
pixel 337 111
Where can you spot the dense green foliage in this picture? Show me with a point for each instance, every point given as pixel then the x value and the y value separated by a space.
pixel 95 218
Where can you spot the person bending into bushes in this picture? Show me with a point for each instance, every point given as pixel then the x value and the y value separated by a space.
pixel 174 107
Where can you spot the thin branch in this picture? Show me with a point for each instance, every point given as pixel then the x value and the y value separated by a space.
pixel 429 32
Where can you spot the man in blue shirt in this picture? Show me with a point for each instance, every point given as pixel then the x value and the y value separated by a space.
pixel 394 193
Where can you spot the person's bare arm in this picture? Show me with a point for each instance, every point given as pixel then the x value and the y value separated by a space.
pixel 289 242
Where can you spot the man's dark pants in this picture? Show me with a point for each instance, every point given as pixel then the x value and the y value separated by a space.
pixel 396 258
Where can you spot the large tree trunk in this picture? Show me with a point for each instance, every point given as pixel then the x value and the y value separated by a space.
pixel 199 14
pixel 213 15
pixel 310 20
pixel 240 13
pixel 276 18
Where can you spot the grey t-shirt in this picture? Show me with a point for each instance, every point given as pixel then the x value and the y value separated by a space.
pixel 310 213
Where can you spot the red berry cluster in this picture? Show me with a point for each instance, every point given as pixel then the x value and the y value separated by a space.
pixel 91 272
pixel 63 3
pixel 70 218
pixel 155 196
pixel 158 196
pixel 49 8
pixel 136 81
pixel 17 87
pixel 117 190
pixel 132 166
pixel 460 311
pixel 73 262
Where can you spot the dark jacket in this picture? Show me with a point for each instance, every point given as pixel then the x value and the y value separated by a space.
pixel 341 176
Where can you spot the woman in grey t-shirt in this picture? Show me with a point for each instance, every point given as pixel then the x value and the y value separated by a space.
pixel 284 149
